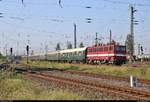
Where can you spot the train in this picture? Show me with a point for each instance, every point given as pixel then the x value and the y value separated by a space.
pixel 97 54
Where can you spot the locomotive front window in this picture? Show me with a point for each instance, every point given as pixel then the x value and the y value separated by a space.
pixel 122 48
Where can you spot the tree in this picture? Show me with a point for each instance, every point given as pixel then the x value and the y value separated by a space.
pixel 129 48
pixel 1 55
pixel 69 45
pixel 58 46
pixel 128 44
pixel 81 45
pixel 113 42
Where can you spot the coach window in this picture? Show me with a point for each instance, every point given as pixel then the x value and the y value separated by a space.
pixel 66 54
pixel 79 53
pixel 70 53
pixel 83 52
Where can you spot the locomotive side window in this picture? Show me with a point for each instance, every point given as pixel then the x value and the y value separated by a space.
pixel 93 49
pixel 105 48
pixel 110 48
pixel 90 50
pixel 101 49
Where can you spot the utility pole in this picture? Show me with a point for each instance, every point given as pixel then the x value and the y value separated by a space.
pixel 96 39
pixel 11 54
pixel 27 49
pixel 133 22
pixel 110 37
pixel 28 41
pixel 75 33
pixel 18 45
pixel 46 51
pixel 6 45
pixel 139 48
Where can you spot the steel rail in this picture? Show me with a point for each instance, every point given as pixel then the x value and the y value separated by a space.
pixel 119 78
pixel 120 91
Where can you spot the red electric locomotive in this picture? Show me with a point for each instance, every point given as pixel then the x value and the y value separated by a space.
pixel 106 53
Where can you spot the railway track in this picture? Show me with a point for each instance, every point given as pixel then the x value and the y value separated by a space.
pixel 102 76
pixel 4 66
pixel 110 77
pixel 123 92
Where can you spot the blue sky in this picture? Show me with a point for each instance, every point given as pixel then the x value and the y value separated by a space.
pixel 44 22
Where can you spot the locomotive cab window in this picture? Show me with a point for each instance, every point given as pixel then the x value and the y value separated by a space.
pixel 120 48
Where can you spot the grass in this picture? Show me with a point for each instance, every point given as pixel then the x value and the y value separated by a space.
pixel 141 70
pixel 15 87
pixel 2 61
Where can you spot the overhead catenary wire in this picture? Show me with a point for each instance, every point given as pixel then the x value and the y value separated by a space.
pixel 126 3
pixel 60 4
pixel 23 2
pixel 62 20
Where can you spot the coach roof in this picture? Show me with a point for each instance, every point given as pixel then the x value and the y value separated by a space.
pixel 73 50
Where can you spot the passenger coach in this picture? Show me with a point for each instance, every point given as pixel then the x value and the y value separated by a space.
pixel 70 55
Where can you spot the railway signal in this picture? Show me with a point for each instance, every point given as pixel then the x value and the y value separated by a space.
pixel 11 51
pixel 27 49
pixel 142 53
